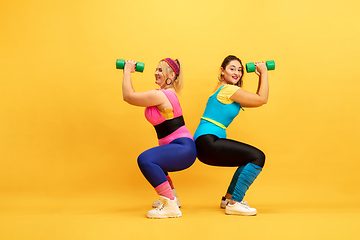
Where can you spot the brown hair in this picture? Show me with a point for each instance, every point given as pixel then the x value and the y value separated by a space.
pixel 226 62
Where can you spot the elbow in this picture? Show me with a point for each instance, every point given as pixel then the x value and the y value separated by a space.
pixel 262 102
pixel 126 98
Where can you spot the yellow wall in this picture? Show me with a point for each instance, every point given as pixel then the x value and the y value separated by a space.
pixel 65 128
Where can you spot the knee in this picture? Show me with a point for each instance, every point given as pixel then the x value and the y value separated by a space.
pixel 259 159
pixel 142 161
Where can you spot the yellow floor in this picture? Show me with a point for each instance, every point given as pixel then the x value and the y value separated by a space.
pixel 107 216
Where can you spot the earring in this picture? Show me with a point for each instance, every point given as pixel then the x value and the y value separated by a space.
pixel 166 81
pixel 220 78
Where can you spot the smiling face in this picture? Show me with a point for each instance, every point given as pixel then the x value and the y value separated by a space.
pixel 232 72
pixel 159 76
pixel 163 72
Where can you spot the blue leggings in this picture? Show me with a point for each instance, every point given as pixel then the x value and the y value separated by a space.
pixel 175 156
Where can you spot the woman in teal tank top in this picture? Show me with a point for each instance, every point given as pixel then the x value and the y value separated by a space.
pixel 213 148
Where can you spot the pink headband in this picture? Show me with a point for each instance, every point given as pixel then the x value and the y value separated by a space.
pixel 172 64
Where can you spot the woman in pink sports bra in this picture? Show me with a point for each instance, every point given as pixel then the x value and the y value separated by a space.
pixel 176 150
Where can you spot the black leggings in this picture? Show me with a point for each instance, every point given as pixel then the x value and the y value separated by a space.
pixel 216 151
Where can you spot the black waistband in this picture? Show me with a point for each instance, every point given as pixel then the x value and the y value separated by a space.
pixel 169 126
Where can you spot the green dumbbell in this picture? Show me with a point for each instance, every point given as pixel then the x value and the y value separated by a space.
pixel 120 64
pixel 250 67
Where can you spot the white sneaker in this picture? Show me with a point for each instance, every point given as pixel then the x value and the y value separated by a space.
pixel 240 209
pixel 224 202
pixel 167 209
pixel 158 202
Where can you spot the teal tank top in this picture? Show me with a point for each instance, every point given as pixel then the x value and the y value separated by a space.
pixel 217 117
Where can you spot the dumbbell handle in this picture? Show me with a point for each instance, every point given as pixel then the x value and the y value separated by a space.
pixel 250 67
pixel 120 64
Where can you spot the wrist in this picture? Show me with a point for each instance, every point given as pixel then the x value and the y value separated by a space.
pixel 264 74
pixel 127 71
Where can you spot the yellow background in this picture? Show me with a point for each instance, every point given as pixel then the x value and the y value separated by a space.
pixel 69 142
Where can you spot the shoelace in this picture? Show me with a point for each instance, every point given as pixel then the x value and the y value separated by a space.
pixel 161 206
pixel 244 203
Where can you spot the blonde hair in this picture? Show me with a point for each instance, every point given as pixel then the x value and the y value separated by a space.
pixel 166 69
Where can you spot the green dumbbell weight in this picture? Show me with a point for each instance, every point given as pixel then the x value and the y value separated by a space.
pixel 250 67
pixel 120 64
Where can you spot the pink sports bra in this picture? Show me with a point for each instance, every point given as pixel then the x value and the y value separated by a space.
pixel 154 116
